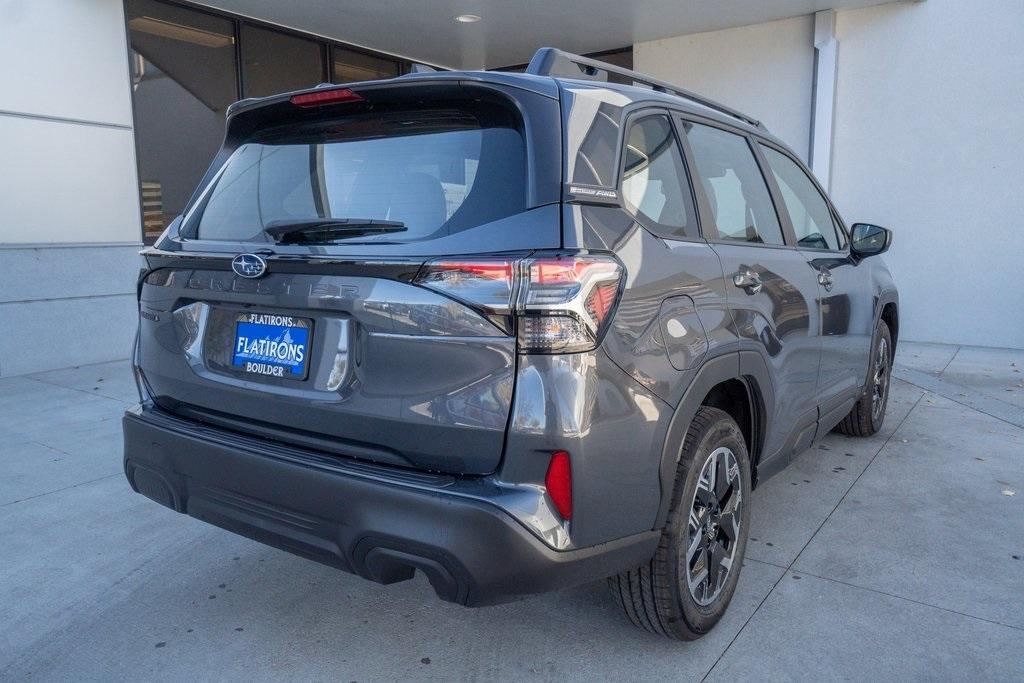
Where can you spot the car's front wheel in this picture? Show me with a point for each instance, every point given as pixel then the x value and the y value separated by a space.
pixel 686 587
pixel 868 413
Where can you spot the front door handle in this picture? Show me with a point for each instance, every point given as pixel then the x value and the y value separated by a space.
pixel 825 279
pixel 748 280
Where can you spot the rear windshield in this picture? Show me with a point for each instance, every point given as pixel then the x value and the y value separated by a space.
pixel 426 173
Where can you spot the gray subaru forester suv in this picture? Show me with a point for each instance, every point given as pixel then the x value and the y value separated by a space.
pixel 515 331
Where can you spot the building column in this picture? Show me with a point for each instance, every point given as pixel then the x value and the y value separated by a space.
pixel 823 97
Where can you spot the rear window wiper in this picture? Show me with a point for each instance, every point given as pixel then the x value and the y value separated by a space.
pixel 320 230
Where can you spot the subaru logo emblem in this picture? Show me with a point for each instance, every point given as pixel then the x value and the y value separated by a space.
pixel 249 265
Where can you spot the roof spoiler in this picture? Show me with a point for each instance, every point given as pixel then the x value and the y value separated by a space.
pixel 549 61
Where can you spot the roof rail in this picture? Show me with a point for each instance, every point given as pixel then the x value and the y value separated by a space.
pixel 550 61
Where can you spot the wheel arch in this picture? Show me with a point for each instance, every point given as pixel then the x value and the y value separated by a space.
pixel 889 312
pixel 719 383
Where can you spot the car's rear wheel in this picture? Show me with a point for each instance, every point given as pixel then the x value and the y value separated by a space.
pixel 686 587
pixel 868 413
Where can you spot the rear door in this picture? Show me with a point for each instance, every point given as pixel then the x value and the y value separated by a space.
pixel 292 303
pixel 773 291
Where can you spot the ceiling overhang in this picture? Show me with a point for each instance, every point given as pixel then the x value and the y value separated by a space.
pixel 509 31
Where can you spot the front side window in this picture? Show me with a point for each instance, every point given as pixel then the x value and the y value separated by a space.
pixel 740 202
pixel 416 174
pixel 808 210
pixel 654 182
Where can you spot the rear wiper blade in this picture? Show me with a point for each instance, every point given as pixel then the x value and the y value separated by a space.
pixel 329 229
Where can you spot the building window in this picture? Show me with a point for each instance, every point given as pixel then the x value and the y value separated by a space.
pixel 183 79
pixel 275 62
pixel 185 73
pixel 349 66
pixel 622 57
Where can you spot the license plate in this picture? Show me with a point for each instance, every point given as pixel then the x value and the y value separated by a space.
pixel 272 345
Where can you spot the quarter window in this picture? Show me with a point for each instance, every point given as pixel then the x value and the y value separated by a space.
pixel 654 182
pixel 739 198
pixel 808 210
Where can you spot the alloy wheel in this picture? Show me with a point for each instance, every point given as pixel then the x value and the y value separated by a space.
pixel 880 381
pixel 714 526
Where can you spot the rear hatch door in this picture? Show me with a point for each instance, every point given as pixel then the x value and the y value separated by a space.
pixel 286 304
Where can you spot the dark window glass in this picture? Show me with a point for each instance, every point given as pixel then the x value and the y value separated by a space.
pixel 739 198
pixel 274 62
pixel 350 66
pixel 437 172
pixel 183 79
pixel 653 180
pixel 808 211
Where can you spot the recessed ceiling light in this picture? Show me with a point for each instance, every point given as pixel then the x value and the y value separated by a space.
pixel 467 18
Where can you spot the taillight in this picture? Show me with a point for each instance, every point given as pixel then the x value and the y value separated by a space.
pixel 188 321
pixel 319 98
pixel 486 282
pixel 558 482
pixel 567 302
pixel 557 304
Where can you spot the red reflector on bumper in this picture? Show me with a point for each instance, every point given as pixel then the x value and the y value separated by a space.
pixel 559 483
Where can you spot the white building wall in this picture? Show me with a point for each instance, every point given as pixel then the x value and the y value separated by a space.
pixel 69 212
pixel 764 70
pixel 929 140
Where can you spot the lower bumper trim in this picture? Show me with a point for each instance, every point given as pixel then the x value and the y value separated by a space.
pixel 472 552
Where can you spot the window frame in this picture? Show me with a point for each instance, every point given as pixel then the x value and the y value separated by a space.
pixel 631 118
pixel 709 227
pixel 842 235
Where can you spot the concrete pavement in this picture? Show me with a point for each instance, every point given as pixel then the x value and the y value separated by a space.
pixel 894 557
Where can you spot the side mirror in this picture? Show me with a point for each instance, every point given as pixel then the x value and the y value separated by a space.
pixel 869 240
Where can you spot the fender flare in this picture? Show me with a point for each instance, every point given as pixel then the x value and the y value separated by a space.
pixel 882 299
pixel 748 367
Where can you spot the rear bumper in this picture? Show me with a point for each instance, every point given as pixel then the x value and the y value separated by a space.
pixel 377 522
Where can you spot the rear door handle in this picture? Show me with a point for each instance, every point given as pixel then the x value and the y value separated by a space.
pixel 748 280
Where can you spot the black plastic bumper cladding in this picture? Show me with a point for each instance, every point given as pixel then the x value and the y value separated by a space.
pixel 377 523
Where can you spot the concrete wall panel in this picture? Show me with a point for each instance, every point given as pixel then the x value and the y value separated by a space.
pixel 31 274
pixel 928 140
pixel 65 58
pixel 765 70
pixel 43 335
pixel 67 183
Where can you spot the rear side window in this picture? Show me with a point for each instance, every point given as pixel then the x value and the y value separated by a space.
pixel 739 198
pixel 654 184
pixel 808 210
pixel 434 172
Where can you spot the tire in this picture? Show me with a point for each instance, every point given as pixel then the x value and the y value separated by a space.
pixel 868 413
pixel 657 596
